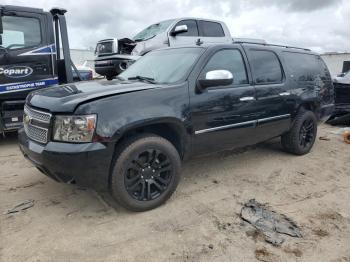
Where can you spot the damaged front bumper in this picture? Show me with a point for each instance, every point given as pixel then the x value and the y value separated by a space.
pixel 85 164
pixel 114 64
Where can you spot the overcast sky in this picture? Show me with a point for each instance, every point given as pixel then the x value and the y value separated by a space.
pixel 322 25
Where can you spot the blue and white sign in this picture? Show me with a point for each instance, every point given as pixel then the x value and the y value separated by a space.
pixel 13 87
pixel 16 71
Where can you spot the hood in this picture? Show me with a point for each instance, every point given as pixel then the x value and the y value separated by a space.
pixel 66 98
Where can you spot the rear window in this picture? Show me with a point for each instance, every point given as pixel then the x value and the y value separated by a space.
pixel 265 66
pixel 211 29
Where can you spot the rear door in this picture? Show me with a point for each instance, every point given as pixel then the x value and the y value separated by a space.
pixel 211 32
pixel 26 54
pixel 272 92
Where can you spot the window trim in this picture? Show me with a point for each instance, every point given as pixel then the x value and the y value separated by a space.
pixel 283 78
pixel 233 85
pixel 186 35
pixel 201 32
pixel 40 27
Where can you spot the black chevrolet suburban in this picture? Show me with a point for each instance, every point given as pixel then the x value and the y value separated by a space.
pixel 130 135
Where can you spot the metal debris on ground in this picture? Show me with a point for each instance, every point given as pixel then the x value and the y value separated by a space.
pixel 324 138
pixel 269 223
pixel 20 207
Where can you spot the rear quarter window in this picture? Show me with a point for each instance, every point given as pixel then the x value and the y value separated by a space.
pixel 210 29
pixel 302 67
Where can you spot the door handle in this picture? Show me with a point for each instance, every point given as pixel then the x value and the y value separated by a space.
pixel 247 98
pixel 285 94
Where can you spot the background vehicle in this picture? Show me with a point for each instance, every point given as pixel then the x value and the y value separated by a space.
pixel 115 55
pixel 171 104
pixel 342 99
pixel 28 57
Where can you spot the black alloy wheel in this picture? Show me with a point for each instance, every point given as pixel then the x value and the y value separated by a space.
pixel 146 172
pixel 307 133
pixel 148 175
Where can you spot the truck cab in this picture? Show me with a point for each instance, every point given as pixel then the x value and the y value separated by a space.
pixel 114 55
pixel 29 38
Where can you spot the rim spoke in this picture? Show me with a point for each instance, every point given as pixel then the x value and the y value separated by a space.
pixel 161 170
pixel 161 189
pixel 161 180
pixel 132 180
pixel 142 193
pixel 134 185
pixel 148 191
pixel 137 164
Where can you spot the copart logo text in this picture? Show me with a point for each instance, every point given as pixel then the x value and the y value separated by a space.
pixel 16 71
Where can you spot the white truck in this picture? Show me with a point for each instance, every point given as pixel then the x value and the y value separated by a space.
pixel 114 55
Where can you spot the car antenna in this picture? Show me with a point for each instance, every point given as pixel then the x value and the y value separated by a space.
pixel 199 42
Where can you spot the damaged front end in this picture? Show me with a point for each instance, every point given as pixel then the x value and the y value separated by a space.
pixel 114 55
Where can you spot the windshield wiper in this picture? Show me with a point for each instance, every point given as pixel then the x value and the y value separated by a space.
pixel 143 78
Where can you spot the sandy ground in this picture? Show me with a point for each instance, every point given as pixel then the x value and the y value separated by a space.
pixel 200 222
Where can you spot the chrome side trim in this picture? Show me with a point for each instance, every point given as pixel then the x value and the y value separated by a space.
pixel 253 122
pixel 264 120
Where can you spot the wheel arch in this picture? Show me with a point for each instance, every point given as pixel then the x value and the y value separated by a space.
pixel 169 128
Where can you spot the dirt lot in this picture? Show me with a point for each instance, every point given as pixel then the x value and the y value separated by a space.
pixel 200 222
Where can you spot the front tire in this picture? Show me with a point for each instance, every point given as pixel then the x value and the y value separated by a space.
pixel 301 138
pixel 146 172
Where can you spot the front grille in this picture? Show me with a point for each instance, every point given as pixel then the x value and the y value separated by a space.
pixel 342 93
pixel 36 124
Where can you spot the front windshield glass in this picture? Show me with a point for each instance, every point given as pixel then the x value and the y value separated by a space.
pixel 20 32
pixel 152 30
pixel 164 66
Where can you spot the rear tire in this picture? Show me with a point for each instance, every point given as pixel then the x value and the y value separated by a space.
pixel 146 172
pixel 301 137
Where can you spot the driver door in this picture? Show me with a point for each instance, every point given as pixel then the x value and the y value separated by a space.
pixel 27 56
pixel 224 116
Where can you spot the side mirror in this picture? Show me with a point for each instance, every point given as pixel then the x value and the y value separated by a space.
pixel 179 29
pixel 216 78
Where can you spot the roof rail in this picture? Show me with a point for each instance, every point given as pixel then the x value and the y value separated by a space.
pixel 263 42
pixel 249 40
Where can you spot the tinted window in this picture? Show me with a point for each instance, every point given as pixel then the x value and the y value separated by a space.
pixel 230 60
pixel 265 66
pixel 302 67
pixel 191 27
pixel 211 29
pixel 20 32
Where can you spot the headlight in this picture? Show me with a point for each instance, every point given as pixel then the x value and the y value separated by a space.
pixel 75 129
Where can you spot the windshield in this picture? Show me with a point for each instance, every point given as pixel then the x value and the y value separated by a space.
pixel 20 32
pixel 164 66
pixel 152 30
